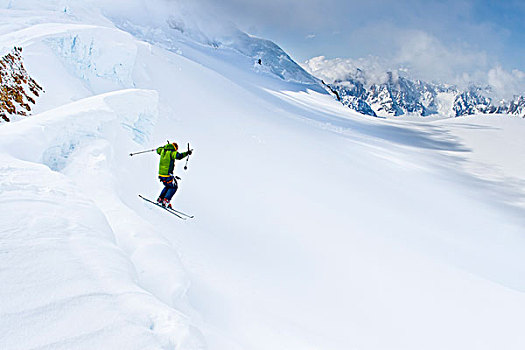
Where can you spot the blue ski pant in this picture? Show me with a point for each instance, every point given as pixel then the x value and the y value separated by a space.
pixel 170 187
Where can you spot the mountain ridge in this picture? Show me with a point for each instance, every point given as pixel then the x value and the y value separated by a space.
pixel 370 87
pixel 403 96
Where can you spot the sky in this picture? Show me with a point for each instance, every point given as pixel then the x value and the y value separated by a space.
pixel 455 41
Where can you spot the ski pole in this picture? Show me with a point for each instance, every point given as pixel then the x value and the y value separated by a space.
pixel 187 158
pixel 151 150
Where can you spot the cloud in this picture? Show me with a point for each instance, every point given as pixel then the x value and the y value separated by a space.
pixel 439 39
pixel 505 83
pixel 193 18
pixel 428 58
pixel 422 56
pixel 430 40
pixel 373 69
pixel 286 15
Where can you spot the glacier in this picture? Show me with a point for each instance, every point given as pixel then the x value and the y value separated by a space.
pixel 315 226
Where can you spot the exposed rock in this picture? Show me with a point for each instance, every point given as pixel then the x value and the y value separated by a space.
pixel 18 90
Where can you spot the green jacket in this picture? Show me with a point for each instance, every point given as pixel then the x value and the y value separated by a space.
pixel 168 154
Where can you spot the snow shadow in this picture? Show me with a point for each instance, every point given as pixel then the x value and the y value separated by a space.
pixel 433 137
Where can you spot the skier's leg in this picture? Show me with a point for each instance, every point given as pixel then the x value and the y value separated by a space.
pixel 164 190
pixel 171 190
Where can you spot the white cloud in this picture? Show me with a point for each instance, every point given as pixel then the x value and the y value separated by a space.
pixel 191 17
pixel 374 70
pixel 354 28
pixel 428 58
pixel 505 83
pixel 422 56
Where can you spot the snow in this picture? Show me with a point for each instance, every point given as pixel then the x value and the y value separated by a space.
pixel 315 227
pixel 71 285
pixel 445 102
pixel 495 142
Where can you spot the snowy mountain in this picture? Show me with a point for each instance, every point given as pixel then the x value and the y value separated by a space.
pixel 316 227
pixel 177 25
pixel 396 95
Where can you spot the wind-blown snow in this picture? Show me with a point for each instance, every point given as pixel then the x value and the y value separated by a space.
pixel 315 228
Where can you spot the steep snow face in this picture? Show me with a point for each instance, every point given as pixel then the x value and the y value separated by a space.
pixel 89 51
pixel 316 227
pixel 97 56
pixel 270 58
pixel 172 22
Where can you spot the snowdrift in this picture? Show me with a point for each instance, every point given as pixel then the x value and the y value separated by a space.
pixel 82 273
pixel 316 227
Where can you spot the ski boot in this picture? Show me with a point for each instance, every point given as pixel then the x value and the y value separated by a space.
pixel 160 201
pixel 166 203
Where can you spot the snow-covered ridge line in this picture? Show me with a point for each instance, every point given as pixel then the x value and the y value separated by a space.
pixel 391 94
pixel 263 55
pixel 37 32
pixel 83 120
pixel 404 96
pixel 89 51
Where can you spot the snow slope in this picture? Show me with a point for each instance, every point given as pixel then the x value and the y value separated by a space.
pixel 315 228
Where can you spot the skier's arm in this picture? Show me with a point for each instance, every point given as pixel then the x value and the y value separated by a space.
pixel 159 150
pixel 180 156
pixel 183 155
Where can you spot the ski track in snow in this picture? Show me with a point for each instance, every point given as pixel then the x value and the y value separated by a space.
pixel 315 227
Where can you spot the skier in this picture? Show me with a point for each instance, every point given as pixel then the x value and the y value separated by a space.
pixel 168 155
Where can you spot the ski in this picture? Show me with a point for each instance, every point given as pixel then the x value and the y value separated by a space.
pixel 181 213
pixel 172 211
